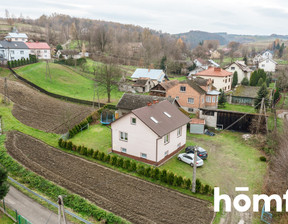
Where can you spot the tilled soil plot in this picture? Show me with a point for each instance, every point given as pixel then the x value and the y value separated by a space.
pixel 43 112
pixel 136 200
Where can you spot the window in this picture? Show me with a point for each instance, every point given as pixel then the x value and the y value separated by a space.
pixel 45 51
pixel 191 100
pixel 213 99
pixel 263 65
pixel 232 68
pixel 144 155
pixel 123 136
pixel 225 80
pixel 124 150
pixel 12 58
pixel 216 98
pixel 179 132
pixel 190 109
pixel 21 52
pixel 16 38
pixel 208 99
pixel 229 80
pixel 166 139
pixel 182 88
pixel 12 52
pixel 133 120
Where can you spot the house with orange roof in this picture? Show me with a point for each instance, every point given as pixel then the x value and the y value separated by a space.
pixel 221 79
pixel 41 49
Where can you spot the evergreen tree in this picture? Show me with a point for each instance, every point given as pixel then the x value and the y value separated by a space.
pixel 276 95
pixel 262 93
pixel 162 63
pixel 245 82
pixel 222 99
pixel 260 82
pixel 253 78
pixel 4 187
pixel 59 47
pixel 261 74
pixel 235 79
pixel 245 59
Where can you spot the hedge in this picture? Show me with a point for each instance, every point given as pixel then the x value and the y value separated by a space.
pixel 73 201
pixel 164 176
pixel 17 63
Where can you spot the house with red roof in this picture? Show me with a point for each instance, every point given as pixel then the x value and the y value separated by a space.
pixel 41 49
pixel 221 78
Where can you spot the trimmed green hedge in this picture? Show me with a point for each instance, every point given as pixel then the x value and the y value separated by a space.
pixel 73 201
pixel 154 173
pixel 17 63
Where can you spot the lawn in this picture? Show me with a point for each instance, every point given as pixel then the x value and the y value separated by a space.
pixel 239 108
pixel 4 219
pixel 97 137
pixel 5 72
pixel 65 82
pixel 283 102
pixel 179 78
pixel 231 163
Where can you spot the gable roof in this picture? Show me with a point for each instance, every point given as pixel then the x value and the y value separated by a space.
pixel 164 124
pixel 214 72
pixel 270 59
pixel 241 65
pixel 195 86
pixel 16 35
pixel 169 84
pixel 201 81
pixel 131 101
pixel 246 91
pixel 38 45
pixel 4 44
pixel 154 74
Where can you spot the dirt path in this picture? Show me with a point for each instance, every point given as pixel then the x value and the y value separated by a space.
pixel 43 112
pixel 136 200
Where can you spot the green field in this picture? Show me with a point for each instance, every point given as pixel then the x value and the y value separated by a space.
pixel 65 82
pixel 5 72
pixel 4 219
pixel 239 108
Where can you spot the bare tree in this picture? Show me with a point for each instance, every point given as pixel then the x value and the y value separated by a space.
pixel 101 37
pixel 108 76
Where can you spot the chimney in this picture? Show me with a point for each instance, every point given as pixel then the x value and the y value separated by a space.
pixel 149 104
pixel 217 69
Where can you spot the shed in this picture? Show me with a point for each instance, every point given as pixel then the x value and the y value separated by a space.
pixel 197 126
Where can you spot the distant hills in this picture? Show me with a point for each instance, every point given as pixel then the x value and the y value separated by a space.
pixel 194 37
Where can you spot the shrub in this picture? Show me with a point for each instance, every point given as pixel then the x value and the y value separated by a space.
pixel 113 160
pixel 120 162
pixel 179 181
pixel 263 158
pixel 60 142
pixel 82 150
pixel 101 156
pixel 133 166
pixel 90 152
pixel 147 171
pixel 79 149
pixel 206 189
pixel 175 181
pixel 163 176
pixel 140 169
pixel 95 154
pixel 107 158
pixel 69 145
pixel 187 183
pixel 126 164
pixel 170 178
pixel 198 186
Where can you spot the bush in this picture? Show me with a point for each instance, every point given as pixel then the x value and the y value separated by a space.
pixel 170 178
pixel 198 186
pixel 69 145
pixel 79 149
pixel 147 171
pixel 120 162
pixel 187 183
pixel 107 158
pixel 163 176
pixel 263 158
pixel 101 156
pixel 95 154
pixel 140 169
pixel 90 152
pixel 133 166
pixel 179 181
pixel 206 189
pixel 60 142
pixel 113 160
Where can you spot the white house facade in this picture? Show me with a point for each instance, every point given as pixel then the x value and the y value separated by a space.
pixel 242 70
pixel 16 37
pixel 40 49
pixel 151 134
pixel 269 65
pixel 13 50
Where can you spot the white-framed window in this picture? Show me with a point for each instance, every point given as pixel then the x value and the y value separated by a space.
pixel 232 68
pixel 133 120
pixel 213 99
pixel 183 89
pixel 21 52
pixel 208 99
pixel 22 58
pixel 166 139
pixel 166 153
pixel 143 155
pixel 123 136
pixel 190 109
pixel 263 65
pixel 179 132
pixel 124 150
pixel 12 52
pixel 191 100
pixel 45 51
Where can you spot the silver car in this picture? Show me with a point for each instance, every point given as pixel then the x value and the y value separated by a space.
pixel 189 158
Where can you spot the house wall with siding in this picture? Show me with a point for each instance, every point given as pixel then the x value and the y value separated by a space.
pixel 241 74
pixel 267 65
pixel 220 82
pixel 14 54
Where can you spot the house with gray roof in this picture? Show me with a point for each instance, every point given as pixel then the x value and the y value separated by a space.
pixel 156 75
pixel 16 36
pixel 129 102
pixel 13 50
pixel 151 134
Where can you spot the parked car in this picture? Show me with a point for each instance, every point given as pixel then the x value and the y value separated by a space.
pixel 189 159
pixel 202 153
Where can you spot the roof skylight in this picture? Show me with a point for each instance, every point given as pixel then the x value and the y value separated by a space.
pixel 153 119
pixel 168 115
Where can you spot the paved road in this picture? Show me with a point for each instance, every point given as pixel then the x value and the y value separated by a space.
pixel 31 210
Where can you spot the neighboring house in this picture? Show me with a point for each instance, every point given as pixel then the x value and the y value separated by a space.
pixel 221 79
pixel 243 71
pixel 267 54
pixel 202 65
pixel 16 36
pixel 264 55
pixel 41 49
pixel 244 95
pixel 71 54
pixel 156 75
pixel 13 50
pixel 129 102
pixel 151 134
pixel 190 95
pixel 268 64
pixel 143 85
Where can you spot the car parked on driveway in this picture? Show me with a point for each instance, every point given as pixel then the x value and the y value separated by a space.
pixel 202 153
pixel 189 159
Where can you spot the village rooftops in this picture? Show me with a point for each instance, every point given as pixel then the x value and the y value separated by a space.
pixel 38 45
pixel 169 84
pixel 153 74
pixel 214 72
pixel 4 44
pixel 162 118
pixel 131 101
pixel 195 86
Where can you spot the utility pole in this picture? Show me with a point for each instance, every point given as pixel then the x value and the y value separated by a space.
pixel 259 119
pixel 61 211
pixel 6 97
pixel 194 170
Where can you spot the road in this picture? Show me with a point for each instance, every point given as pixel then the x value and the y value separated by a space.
pixel 31 210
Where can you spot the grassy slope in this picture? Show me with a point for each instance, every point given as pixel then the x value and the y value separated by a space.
pixel 4 219
pixel 65 82
pixel 239 108
pixel 5 72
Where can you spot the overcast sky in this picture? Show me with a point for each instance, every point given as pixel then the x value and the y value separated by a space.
pixel 172 16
